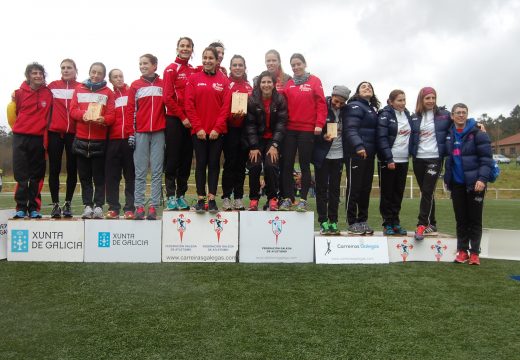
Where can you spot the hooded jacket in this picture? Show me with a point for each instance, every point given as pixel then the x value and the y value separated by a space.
pixel 62 92
pixel 33 110
pixel 145 106
pixel 175 78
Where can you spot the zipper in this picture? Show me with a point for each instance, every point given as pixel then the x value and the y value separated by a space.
pixel 67 109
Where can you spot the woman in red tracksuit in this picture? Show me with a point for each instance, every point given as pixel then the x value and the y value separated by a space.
pixel 307 115
pixel 90 142
pixel 208 102
pixel 60 136
pixel 179 147
pixel 235 153
pixel 120 152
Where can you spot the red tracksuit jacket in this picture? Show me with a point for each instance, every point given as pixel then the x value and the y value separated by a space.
pixel 62 92
pixel 241 86
pixel 146 106
pixel 175 77
pixel 32 110
pixel 123 126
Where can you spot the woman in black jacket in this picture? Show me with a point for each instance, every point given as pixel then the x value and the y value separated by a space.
pixel 264 132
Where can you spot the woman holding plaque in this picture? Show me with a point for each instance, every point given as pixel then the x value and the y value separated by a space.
pixel 307 115
pixel 235 154
pixel 93 109
pixel 208 102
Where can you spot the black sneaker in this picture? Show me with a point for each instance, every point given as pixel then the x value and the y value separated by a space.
pixel 56 211
pixel 67 210
pixel 212 206
pixel 200 206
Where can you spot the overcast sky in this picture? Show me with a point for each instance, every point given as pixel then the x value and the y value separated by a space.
pixel 467 49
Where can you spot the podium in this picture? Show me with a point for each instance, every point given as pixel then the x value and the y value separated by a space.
pixel 5 215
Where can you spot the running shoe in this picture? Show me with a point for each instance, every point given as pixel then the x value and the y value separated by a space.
pixel 200 206
pixel 389 230
pixel 226 204
pixel 356 229
pixel 129 215
pixel 182 204
pixel 286 205
pixel 171 204
pixel 301 206
pixel 430 230
pixel 139 213
pixel 367 228
pixel 324 228
pixel 20 214
pixel 273 204
pixel 98 213
pixel 419 233
pixel 112 214
pixel 212 206
pixel 462 257
pixel 56 211
pixel 152 213
pixel 474 259
pixel 398 230
pixel 333 229
pixel 239 205
pixel 35 214
pixel 253 205
pixel 67 210
pixel 87 213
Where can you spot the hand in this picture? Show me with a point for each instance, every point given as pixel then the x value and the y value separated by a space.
pixel 201 135
pixel 238 114
pixel 481 127
pixel 100 120
pixel 391 166
pixel 213 135
pixel 327 137
pixel 362 153
pixel 479 186
pixel 186 123
pixel 273 153
pixel 254 155
pixel 317 130
pixel 131 141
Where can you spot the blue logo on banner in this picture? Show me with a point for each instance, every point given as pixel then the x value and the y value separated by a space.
pixel 19 240
pixel 104 239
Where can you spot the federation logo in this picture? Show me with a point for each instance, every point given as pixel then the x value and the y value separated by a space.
pixel 277 226
pixel 103 239
pixel 218 225
pixel 181 221
pixel 405 249
pixel 19 240
pixel 439 249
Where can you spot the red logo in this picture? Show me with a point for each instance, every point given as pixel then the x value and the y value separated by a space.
pixel 439 249
pixel 218 225
pixel 277 226
pixel 405 249
pixel 181 224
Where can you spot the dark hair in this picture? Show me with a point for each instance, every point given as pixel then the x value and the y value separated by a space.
pixel 111 71
pixel 243 60
pixel 71 61
pixel 34 66
pixel 459 105
pixel 374 101
pixel 213 50
pixel 217 44
pixel 393 95
pixel 153 59
pixel 298 56
pixel 419 107
pixel 98 64
pixel 256 88
pixel 186 38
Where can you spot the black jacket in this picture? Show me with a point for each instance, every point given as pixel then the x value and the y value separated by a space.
pixel 321 146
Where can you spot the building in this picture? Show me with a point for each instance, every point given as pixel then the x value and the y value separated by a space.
pixel 509 146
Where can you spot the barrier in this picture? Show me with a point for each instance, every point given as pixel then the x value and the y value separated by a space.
pixel 351 250
pixel 4 217
pixel 403 249
pixel 500 244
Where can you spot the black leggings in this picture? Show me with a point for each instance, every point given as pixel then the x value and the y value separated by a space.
pixel 207 155
pixel 271 172
pixel 58 142
pixel 179 154
pixel 303 142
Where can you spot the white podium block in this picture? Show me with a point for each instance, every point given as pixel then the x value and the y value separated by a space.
pixel 276 237
pixel 45 240
pixel 192 237
pixel 500 244
pixel 402 249
pixel 351 250
pixel 123 241
pixel 4 216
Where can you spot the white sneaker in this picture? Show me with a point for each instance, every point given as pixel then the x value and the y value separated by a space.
pixel 87 213
pixel 98 213
pixel 239 204
pixel 226 204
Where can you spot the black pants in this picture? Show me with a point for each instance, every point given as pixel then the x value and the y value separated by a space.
pixel 360 173
pixel 427 173
pixel 92 170
pixel 28 171
pixel 328 179
pixel 234 169
pixel 207 155
pixel 271 173
pixel 468 206
pixel 392 184
pixel 119 159
pixel 303 142
pixel 57 143
pixel 178 157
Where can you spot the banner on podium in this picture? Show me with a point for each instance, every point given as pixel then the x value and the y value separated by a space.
pixel 351 250
pixel 122 241
pixel 276 237
pixel 4 216
pixel 402 249
pixel 192 237
pixel 45 240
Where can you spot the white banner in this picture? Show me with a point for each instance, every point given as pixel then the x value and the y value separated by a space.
pixel 276 237
pixel 351 250
pixel 192 237
pixel 500 244
pixel 122 241
pixel 4 216
pixel 402 249
pixel 45 240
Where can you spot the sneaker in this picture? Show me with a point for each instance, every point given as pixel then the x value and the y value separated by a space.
pixel 430 230
pixel 226 204
pixel 286 205
pixel 419 233
pixel 98 213
pixel 462 257
pixel 200 206
pixel 56 211
pixel 212 206
pixel 367 228
pixel 398 230
pixel 129 215
pixel 182 204
pixel 239 204
pixel 139 213
pixel 171 204
pixel 253 205
pixel 474 259
pixel 35 214
pixel 273 204
pixel 112 214
pixel 301 206
pixel 333 229
pixel 356 229
pixel 152 213
pixel 388 230
pixel 324 228
pixel 67 210
pixel 87 213
pixel 20 214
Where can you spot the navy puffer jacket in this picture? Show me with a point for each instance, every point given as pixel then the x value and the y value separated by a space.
pixel 387 132
pixel 442 122
pixel 476 154
pixel 359 128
